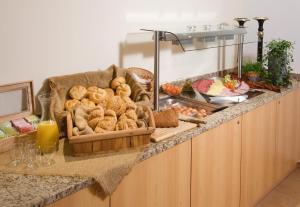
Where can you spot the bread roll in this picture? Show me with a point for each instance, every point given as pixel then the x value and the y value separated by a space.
pixel 110 92
pixel 116 104
pixel 165 119
pixel 117 81
pixel 71 104
pixel 131 114
pixel 87 102
pixel 123 90
pixel 98 97
pixel 77 92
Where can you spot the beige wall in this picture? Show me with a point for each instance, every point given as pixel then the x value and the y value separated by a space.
pixel 283 23
pixel 42 38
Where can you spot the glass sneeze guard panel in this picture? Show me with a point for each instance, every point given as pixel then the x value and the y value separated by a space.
pixel 194 38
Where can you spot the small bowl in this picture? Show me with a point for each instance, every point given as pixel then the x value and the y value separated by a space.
pixel 172 89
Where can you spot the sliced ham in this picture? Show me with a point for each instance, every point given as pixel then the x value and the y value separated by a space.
pixel 202 85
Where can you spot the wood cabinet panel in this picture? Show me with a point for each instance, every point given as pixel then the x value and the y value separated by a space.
pixel 286 147
pixel 258 153
pixel 85 197
pixel 298 124
pixel 216 157
pixel 161 181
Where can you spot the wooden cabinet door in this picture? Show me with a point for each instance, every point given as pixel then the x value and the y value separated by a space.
pixel 298 124
pixel 161 181
pixel 258 153
pixel 286 148
pixel 216 158
pixel 86 197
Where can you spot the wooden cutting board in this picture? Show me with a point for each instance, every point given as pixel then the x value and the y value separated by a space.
pixel 164 133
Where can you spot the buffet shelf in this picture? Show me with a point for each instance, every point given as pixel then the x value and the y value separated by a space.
pixel 194 38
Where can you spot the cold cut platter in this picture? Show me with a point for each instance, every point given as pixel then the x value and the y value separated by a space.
pixel 221 90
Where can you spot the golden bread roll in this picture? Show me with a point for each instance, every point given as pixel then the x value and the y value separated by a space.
pixel 99 130
pixel 92 89
pixel 87 102
pixel 131 124
pixel 129 103
pixel 117 81
pixel 97 112
pixel 116 104
pixel 123 90
pixel 131 114
pixel 94 122
pixel 77 92
pixel 110 113
pixel 98 97
pixel 71 104
pixel 110 92
pixel 123 116
pixel 126 123
pixel 108 123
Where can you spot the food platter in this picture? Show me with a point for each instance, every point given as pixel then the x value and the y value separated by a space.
pixel 221 90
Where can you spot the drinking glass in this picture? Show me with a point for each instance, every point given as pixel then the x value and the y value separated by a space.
pixel 16 155
pixel 49 155
pixel 31 153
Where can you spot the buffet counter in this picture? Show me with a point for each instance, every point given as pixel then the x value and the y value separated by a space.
pixel 25 190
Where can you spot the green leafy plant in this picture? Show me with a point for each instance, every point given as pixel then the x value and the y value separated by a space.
pixel 278 59
pixel 256 67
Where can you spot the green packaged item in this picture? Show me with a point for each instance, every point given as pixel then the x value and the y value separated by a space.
pixel 5 124
pixel 8 129
pixel 33 120
pixel 2 135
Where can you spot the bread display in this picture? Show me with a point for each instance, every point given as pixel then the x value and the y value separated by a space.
pixel 97 110
pixel 78 92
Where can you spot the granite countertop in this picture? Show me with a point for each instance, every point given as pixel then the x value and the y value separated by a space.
pixel 24 190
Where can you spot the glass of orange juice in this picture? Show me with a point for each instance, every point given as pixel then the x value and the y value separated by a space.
pixel 47 130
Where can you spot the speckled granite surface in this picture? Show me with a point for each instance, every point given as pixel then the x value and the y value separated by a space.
pixel 21 190
pixel 25 190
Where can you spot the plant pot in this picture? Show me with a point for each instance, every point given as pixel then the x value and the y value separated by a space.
pixel 253 76
pixel 278 69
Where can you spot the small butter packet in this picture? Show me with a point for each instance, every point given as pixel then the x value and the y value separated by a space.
pixel 2 134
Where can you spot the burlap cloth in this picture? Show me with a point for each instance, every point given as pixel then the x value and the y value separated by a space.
pixel 106 170
pixel 59 87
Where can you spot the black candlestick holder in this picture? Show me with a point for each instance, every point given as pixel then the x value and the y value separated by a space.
pixel 260 35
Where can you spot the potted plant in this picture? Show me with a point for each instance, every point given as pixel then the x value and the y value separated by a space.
pixel 278 59
pixel 253 71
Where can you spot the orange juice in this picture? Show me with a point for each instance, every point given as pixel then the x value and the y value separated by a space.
pixel 47 134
